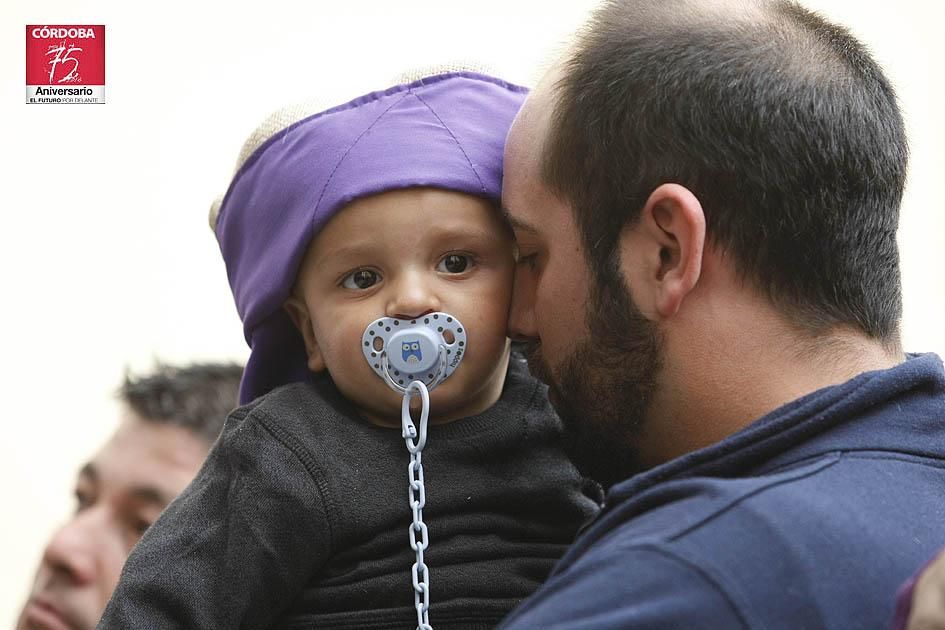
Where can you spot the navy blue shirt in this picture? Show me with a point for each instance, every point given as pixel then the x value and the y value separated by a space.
pixel 811 517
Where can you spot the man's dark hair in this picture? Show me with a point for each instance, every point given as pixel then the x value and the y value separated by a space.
pixel 779 122
pixel 197 397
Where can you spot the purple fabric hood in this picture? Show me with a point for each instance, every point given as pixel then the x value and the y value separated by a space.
pixel 447 131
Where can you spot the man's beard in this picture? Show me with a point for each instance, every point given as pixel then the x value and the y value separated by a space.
pixel 603 389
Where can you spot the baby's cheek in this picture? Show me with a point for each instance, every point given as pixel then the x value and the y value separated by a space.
pixel 486 338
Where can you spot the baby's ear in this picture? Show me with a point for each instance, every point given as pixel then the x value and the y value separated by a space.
pixel 298 313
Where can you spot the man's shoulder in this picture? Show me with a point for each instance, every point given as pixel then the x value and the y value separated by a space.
pixel 793 504
pixel 661 558
pixel 824 541
pixel 692 553
pixel 698 507
pixel 790 519
pixel 639 585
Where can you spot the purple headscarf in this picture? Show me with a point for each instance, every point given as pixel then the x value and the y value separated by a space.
pixel 446 131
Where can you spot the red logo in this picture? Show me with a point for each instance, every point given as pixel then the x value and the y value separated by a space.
pixel 65 63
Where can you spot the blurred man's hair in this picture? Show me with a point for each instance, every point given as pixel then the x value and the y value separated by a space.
pixel 197 397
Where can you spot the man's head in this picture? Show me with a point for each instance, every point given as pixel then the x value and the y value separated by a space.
pixel 169 420
pixel 697 154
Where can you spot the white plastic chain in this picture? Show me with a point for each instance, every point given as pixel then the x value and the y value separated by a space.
pixel 419 536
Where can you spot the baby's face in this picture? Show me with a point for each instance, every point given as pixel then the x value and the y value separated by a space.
pixel 403 254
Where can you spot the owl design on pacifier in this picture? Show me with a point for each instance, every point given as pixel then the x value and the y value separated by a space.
pixel 410 351
pixel 426 349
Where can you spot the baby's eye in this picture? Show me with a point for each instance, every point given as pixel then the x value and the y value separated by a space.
pixel 360 279
pixel 454 263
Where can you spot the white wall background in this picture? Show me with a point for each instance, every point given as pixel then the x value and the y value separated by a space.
pixel 106 259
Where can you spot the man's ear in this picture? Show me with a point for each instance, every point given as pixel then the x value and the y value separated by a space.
pixel 661 254
pixel 298 313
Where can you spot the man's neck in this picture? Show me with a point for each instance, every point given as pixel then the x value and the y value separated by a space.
pixel 752 363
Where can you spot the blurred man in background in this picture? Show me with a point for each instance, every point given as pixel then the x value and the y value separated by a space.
pixel 169 420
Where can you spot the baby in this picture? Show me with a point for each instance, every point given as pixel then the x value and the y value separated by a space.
pixel 383 207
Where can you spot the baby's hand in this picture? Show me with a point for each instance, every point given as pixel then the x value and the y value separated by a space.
pixel 928 601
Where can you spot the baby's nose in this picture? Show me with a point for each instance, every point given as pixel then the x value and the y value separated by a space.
pixel 412 298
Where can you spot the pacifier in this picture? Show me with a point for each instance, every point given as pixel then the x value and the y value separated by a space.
pixel 426 349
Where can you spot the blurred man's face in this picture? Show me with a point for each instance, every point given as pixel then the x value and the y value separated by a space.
pixel 119 493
